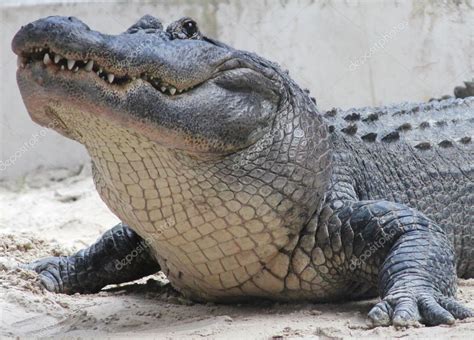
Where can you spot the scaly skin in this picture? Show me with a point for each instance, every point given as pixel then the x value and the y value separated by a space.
pixel 240 187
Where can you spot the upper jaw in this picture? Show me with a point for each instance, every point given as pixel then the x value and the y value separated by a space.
pixel 166 64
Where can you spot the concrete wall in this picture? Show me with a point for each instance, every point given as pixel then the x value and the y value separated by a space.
pixel 348 53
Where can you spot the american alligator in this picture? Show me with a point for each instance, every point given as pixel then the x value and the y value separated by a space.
pixel 228 179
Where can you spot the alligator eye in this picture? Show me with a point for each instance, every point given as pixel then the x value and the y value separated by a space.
pixel 190 28
pixel 184 28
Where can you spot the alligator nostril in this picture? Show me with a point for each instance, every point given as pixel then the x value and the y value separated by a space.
pixel 148 23
pixel 69 18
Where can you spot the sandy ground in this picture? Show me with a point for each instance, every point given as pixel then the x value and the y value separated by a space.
pixel 57 212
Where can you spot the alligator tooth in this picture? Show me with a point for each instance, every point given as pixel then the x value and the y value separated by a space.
pixel 89 65
pixel 19 62
pixel 46 59
pixel 70 63
pixel 172 90
pixel 40 49
pixel 57 58
pixel 180 90
pixel 76 69
pixel 62 67
pixel 100 70
pixel 110 77
pixel 163 89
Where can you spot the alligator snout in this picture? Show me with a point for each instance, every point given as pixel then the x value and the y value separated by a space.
pixel 53 30
pixel 70 30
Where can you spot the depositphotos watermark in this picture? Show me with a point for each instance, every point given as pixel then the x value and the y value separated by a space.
pixel 377 46
pixel 127 260
pixel 142 246
pixel 358 261
pixel 26 146
pixel 244 159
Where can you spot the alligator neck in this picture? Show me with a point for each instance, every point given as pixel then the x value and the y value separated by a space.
pixel 252 203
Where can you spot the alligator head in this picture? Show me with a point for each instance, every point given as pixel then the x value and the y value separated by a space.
pixel 173 118
pixel 185 91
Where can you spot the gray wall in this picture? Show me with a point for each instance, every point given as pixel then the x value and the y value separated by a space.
pixel 348 53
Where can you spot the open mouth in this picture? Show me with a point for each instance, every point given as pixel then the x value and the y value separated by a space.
pixel 55 60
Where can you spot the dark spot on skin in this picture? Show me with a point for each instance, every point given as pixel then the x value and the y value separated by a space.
pixel 404 127
pixel 415 109
pixel 352 117
pixel 313 99
pixel 424 125
pixel 331 113
pixel 391 137
pixel 350 130
pixel 423 146
pixel 331 128
pixel 371 118
pixel 370 137
pixel 445 144
pixel 465 140
pixel 441 123
pixel 306 91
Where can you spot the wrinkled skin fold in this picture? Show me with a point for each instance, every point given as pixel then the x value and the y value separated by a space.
pixel 228 178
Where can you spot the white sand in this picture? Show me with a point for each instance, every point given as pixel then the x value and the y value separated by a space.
pixel 57 212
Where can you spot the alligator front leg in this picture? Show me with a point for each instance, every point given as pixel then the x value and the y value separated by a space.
pixel 120 255
pixel 406 255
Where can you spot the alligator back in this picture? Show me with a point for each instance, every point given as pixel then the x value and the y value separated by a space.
pixel 421 155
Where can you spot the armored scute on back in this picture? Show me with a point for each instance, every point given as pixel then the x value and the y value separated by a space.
pixel 240 187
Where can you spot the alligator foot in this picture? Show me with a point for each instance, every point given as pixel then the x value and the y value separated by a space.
pixel 120 255
pixel 417 279
pixel 407 256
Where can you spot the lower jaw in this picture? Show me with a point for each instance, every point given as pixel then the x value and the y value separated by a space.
pixel 46 90
pixel 50 106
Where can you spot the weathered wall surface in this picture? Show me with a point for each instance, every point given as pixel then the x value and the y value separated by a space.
pixel 348 53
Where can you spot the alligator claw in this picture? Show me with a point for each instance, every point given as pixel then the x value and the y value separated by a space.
pixel 49 273
pixel 411 310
